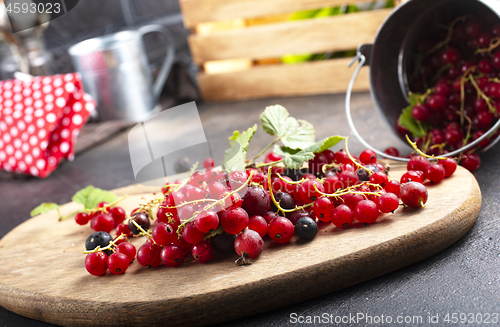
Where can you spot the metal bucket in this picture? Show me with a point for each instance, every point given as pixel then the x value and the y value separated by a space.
pixel 388 58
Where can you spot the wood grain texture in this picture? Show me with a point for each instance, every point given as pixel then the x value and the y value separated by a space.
pixel 334 33
pixel 317 77
pixel 43 274
pixel 199 11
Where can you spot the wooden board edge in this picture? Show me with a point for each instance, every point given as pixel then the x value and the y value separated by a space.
pixel 329 276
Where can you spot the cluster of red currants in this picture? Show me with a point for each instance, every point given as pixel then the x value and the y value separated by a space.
pixel 456 86
pixel 104 253
pixel 102 218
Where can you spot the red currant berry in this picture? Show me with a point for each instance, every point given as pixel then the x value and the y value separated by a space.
pixel 208 163
pixel 437 102
pixel 103 222
pixel 323 208
pixel 368 157
pixel 118 263
pixel 342 216
pixel 206 221
pixel 392 152
pixel 388 202
pixel 330 156
pixel 342 157
pixel 450 56
pixel 331 184
pixel 449 165
pixel 164 234
pixel 272 157
pixel 352 200
pixel 234 220
pixel 348 178
pixel 256 201
pixel 172 255
pixel 249 243
pixel 308 191
pixel 148 254
pixel 191 234
pixel 123 229
pixel 421 112
pixel 393 186
pixel 202 252
pixel 118 215
pixel 258 224
pixel 366 212
pixel 379 178
pixel 418 163
pixel 414 194
pixel 470 161
pixel 280 230
pixel 214 190
pixel 412 176
pixel 82 218
pixel 435 173
pixel 96 263
pixel 316 164
pixel 485 66
pixel 128 249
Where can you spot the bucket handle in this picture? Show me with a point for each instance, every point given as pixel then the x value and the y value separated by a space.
pixel 361 57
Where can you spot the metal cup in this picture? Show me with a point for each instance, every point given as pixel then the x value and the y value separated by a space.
pixel 115 73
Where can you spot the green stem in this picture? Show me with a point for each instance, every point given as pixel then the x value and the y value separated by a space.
pixel 414 146
pixel 265 149
pixel 61 218
pixel 263 164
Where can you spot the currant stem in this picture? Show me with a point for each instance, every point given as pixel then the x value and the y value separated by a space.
pixel 107 247
pixel 263 164
pixel 292 182
pixel 482 95
pixel 265 149
pixel 414 146
pixel 354 160
pixel 277 203
pixel 348 190
pixel 181 226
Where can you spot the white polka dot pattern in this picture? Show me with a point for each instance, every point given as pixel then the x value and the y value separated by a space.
pixel 39 122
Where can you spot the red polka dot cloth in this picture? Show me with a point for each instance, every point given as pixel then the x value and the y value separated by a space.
pixel 40 119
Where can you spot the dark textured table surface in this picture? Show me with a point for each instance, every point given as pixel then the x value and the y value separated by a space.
pixel 462 279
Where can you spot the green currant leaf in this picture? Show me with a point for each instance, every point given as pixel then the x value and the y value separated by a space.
pixel 234 158
pixel 296 134
pixel 416 128
pixel 293 158
pixel 91 196
pixel 328 142
pixel 43 208
pixel 219 230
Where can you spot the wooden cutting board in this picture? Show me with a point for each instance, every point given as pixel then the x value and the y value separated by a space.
pixel 43 274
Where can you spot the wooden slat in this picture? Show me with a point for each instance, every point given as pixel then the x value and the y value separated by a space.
pixel 335 33
pixel 327 76
pixel 199 11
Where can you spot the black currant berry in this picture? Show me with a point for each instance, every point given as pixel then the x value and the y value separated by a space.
pixel 101 239
pixel 306 228
pixel 363 174
pixel 142 219
pixel 223 243
pixel 284 199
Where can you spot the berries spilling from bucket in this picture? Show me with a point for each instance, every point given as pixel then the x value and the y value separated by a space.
pixel 455 87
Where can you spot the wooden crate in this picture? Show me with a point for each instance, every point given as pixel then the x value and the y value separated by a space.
pixel 220 33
